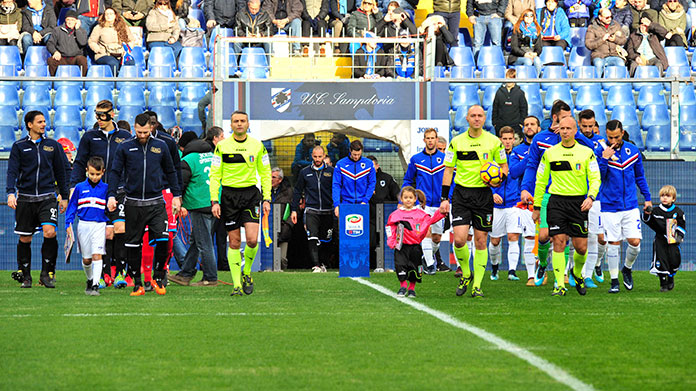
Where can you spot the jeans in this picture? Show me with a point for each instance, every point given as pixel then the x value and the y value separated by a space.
pixel 201 244
pixel 494 25
pixel 294 29
pixel 28 41
pixel 601 63
pixel 526 61
pixel 87 23
pixel 113 62
pixel 452 20
pixel 178 251
pixel 176 47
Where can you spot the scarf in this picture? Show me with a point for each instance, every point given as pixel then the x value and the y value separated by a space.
pixel 672 15
pixel 548 22
pixel 342 7
pixel 37 16
pixel 168 13
pixel 529 31
pixel 404 62
pixel 370 69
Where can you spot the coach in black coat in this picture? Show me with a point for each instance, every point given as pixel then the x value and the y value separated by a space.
pixel 509 106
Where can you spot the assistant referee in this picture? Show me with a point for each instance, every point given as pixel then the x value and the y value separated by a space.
pixel 575 181
pixel 235 164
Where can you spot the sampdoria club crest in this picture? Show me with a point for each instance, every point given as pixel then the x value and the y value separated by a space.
pixel 280 98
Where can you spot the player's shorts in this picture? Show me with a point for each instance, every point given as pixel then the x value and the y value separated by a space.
pixel 543 212
pixel 171 219
pixel 119 214
pixel 622 225
pixel 594 219
pixel 408 263
pixel 138 217
pixel 240 206
pixel 437 228
pixel 506 221
pixel 528 226
pixel 319 225
pixel 565 217
pixel 473 206
pixel 32 216
pixel 91 238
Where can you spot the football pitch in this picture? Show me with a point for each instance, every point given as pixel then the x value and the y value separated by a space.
pixel 318 332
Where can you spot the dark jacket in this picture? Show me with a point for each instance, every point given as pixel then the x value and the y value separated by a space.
pixel 34 169
pixel 333 9
pixel 450 6
pixel 173 154
pixel 142 6
pixel 303 156
pixel 95 143
pixel 383 64
pixel 622 16
pixel 147 169
pixel 656 34
pixel 260 25
pixel 388 29
pixel 509 108
pixel 476 8
pixel 83 6
pixel 292 7
pixel 594 39
pixel 223 12
pixel 359 22
pixel 48 21
pixel 519 45
pixel 321 15
pixel 386 188
pixel 68 44
pixel 315 186
pixel 636 15
pixel 283 193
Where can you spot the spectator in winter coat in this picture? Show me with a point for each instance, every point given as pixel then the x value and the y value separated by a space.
pixel 639 7
pixel 673 18
pixel 370 62
pixel 163 27
pixel 651 54
pixel 434 25
pixel 621 13
pixel 509 105
pixel 38 22
pixel 10 23
pixel 525 46
pixel 364 19
pixel 555 29
pixel 107 39
pixel 578 12
pixel 605 40
pixel 66 45
pixel 515 10
pixel 133 12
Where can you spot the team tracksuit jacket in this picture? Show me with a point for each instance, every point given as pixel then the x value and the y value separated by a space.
pixel 353 182
pixel 33 169
pixel 96 143
pixel 425 172
pixel 509 190
pixel 88 203
pixel 620 174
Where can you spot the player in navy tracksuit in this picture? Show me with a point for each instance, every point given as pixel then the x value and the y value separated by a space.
pixel 35 166
pixel 102 141
pixel 424 172
pixel 622 169
pixel 147 167
pixel 354 178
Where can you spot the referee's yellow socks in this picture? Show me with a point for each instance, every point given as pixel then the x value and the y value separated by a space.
pixel 234 257
pixel 480 261
pixel 462 255
pixel 579 263
pixel 249 256
pixel 559 263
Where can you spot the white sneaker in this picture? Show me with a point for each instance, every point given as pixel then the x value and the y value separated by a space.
pixel 316 269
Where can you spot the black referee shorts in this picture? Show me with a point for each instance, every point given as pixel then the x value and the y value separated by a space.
pixel 32 216
pixel 154 217
pixel 473 206
pixel 240 206
pixel 564 216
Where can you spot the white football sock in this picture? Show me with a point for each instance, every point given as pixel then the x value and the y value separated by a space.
pixel 631 255
pixel 613 260
pixel 97 271
pixel 529 259
pixel 88 270
pixel 494 253
pixel 601 252
pixel 436 250
pixel 513 254
pixel 427 245
pixel 591 256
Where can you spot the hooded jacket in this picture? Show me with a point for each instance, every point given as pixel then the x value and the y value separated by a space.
pixel 509 107
pixel 48 20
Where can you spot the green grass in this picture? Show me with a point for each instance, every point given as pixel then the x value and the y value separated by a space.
pixel 315 331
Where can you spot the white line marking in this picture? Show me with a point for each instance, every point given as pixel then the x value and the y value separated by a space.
pixel 124 314
pixel 550 369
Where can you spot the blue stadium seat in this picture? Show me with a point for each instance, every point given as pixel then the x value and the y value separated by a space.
pixel 97 93
pixel 532 92
pixel 192 56
pixel 465 38
pixel 620 95
pixel 36 55
pixel 372 145
pixel 8 116
pixel 161 72
pixel 492 72
pixel 676 56
pixel 192 93
pixel 614 72
pixel 67 71
pixel 253 63
pixel 129 71
pixel 687 115
pixel 579 56
pixel 583 72
pixel 557 91
pixel 654 115
pixel 488 125
pixel 7 138
pixel 162 94
pixel 219 31
pixel 462 56
pixel 189 120
pixel 577 36
pixel 553 72
pixel 677 71
pixel 197 13
pixel 37 71
pixel 600 113
pixel 461 72
pixel 166 115
pixel 465 95
pixel 72 133
pixel 526 72
pixel 138 56
pixel 489 55
pixel 128 113
pixel 651 95
pixel 658 138
pixel 687 138
pixel 9 95
pixel 686 94
pixel 637 139
pixel 131 97
pixel 627 115
pixel 9 71
pixel 589 95
pixel 489 96
pixel 645 72
pixel 67 116
pixel 552 55
pixel 161 56
pixel 9 55
pixel 192 71
pixel 68 96
pixel 37 95
pixel 99 71
pixel 460 122
pixel 536 110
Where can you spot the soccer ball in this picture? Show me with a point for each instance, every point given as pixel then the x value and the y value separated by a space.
pixel 491 173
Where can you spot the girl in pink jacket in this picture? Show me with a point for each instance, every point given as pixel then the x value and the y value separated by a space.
pixel 407 227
